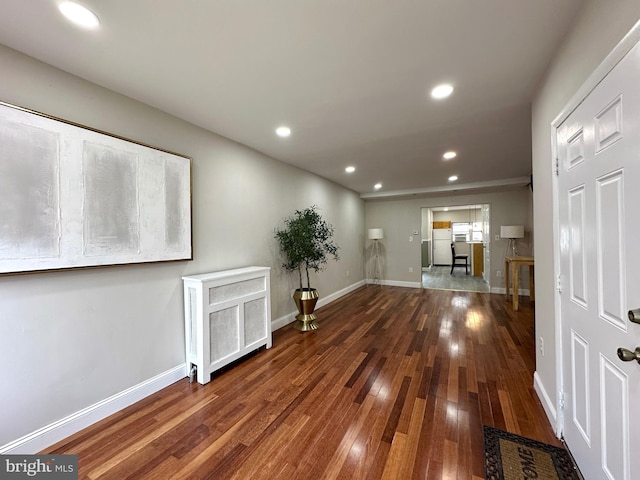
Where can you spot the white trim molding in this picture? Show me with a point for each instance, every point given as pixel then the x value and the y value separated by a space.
pixel 523 292
pixel 395 283
pixel 46 436
pixel 466 187
pixel 545 399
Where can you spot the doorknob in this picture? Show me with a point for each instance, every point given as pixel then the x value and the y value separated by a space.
pixel 634 315
pixel 627 355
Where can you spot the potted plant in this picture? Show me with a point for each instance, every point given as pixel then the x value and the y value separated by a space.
pixel 306 243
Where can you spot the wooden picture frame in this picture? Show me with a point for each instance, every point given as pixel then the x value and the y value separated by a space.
pixel 73 196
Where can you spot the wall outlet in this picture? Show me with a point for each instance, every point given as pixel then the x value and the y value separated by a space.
pixel 541 346
pixel 411 238
pixel 410 269
pixel 498 273
pixel 347 273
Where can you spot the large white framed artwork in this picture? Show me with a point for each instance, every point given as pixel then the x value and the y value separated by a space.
pixel 72 196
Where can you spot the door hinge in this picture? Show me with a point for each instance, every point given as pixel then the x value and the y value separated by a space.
pixel 561 400
pixel 559 284
pixel 557 166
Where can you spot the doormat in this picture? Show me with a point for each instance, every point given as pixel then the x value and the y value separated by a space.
pixel 509 457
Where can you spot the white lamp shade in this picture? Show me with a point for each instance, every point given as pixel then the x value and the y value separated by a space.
pixel 376 233
pixel 512 231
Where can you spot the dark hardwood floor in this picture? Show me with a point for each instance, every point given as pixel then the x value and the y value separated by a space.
pixel 395 384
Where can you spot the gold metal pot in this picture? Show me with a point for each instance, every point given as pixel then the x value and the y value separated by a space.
pixel 306 300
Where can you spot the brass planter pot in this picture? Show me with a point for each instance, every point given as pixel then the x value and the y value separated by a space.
pixel 306 300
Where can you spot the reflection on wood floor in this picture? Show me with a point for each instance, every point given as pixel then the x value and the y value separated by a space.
pixel 395 384
pixel 442 278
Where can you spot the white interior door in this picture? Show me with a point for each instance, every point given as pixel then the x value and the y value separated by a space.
pixel 599 214
pixel 486 241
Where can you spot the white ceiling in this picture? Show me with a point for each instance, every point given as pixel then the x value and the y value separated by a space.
pixel 351 78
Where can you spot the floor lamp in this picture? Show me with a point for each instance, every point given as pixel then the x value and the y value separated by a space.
pixel 376 234
pixel 512 232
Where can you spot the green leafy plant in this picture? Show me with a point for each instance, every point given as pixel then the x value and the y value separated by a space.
pixel 306 242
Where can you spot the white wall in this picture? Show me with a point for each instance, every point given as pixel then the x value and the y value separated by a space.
pixel 599 27
pixel 73 338
pixel 401 217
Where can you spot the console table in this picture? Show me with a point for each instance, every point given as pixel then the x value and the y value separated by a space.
pixel 512 269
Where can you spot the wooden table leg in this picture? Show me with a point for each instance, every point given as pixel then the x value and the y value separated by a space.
pixel 507 266
pixel 532 284
pixel 516 287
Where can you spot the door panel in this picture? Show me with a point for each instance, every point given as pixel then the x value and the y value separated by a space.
pixel 580 384
pixel 578 260
pixel 614 388
pixel 610 230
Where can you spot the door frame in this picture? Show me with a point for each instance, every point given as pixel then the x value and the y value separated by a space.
pixel 487 235
pixel 599 73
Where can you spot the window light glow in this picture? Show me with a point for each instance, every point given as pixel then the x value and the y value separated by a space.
pixel 442 91
pixel 283 131
pixel 79 15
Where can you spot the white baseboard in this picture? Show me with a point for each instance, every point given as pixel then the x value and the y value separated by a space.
pixel 395 283
pixel 503 291
pixel 340 293
pixel 44 437
pixel 547 403
pixel 283 321
pixel 290 317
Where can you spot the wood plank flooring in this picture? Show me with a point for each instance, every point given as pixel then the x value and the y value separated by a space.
pixel 396 384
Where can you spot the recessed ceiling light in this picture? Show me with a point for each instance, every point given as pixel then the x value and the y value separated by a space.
pixel 449 155
pixel 377 186
pixel 453 178
pixel 79 15
pixel 350 169
pixel 283 131
pixel 442 91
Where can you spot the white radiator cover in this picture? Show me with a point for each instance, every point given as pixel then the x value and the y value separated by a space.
pixel 227 315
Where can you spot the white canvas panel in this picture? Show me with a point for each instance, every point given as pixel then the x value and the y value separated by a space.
pixel 76 197
pixel 111 215
pixel 29 182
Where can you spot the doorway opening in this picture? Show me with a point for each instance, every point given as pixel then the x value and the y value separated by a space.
pixel 463 229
